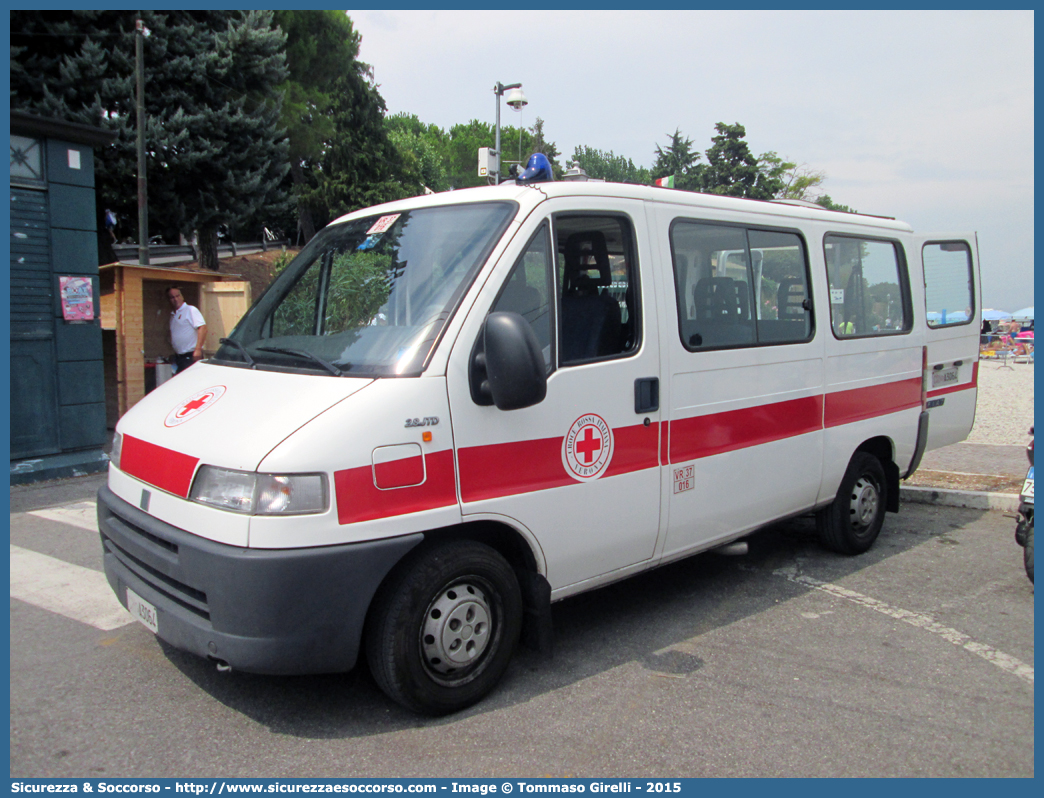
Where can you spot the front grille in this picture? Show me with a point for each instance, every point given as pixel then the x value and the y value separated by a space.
pixel 127 526
pixel 149 557
pixel 193 600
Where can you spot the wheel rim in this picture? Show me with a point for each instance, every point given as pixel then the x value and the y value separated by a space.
pixel 864 504
pixel 457 630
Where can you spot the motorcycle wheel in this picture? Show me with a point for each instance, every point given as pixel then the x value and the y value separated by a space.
pixel 1027 552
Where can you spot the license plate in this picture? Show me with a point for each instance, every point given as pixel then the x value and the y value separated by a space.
pixel 142 611
pixel 1027 487
pixel 944 377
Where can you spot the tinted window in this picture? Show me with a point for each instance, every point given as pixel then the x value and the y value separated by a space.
pixel 598 288
pixel 529 290
pixel 739 287
pixel 868 286
pixel 948 288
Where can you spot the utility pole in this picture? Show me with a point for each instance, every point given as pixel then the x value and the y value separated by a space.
pixel 143 191
pixel 499 90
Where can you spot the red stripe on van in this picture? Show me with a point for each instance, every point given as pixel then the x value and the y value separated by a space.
pixel 161 467
pixel 506 469
pixel 359 499
pixel 845 407
pixel 703 436
pixel 404 473
pixel 634 449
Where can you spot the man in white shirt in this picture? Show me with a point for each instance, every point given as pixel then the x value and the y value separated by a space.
pixel 188 330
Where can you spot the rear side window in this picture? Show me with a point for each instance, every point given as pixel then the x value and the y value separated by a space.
pixel 739 286
pixel 948 286
pixel 869 289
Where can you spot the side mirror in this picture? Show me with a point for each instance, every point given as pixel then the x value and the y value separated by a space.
pixel 514 373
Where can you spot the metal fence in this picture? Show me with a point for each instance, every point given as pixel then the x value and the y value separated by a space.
pixel 129 252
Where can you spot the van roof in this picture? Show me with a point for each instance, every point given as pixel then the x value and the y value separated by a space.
pixel 531 195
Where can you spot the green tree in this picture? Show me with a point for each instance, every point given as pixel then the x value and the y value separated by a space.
pixel 733 171
pixel 462 152
pixel 216 153
pixel 798 182
pixel 607 166
pixel 539 143
pixel 322 46
pixel 361 166
pixel 830 205
pixel 422 150
pixel 679 160
pixel 516 144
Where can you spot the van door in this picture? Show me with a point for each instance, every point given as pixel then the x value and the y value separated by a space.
pixel 746 385
pixel 578 472
pixel 953 318
pixel 874 349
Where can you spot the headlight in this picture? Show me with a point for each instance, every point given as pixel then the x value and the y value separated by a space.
pixel 259 494
pixel 117 446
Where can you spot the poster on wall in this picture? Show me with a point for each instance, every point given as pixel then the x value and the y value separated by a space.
pixel 77 298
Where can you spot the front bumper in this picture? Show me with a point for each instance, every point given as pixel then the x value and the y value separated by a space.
pixel 287 611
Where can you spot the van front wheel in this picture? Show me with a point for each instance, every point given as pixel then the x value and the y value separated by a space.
pixel 444 627
pixel 852 522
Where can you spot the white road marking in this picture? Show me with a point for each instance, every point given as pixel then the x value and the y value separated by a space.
pixel 81 594
pixel 81 514
pixel 1003 661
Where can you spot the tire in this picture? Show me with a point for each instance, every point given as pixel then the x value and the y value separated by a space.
pixel 852 522
pixel 443 628
pixel 1027 553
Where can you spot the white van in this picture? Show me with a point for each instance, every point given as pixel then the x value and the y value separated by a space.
pixel 451 411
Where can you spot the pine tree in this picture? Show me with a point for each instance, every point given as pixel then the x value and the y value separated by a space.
pixel 678 160
pixel 540 144
pixel 732 170
pixel 215 152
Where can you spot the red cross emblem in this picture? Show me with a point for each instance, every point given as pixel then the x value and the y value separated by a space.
pixel 587 445
pixel 587 448
pixel 193 406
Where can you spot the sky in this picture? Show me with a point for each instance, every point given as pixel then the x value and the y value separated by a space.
pixel 923 116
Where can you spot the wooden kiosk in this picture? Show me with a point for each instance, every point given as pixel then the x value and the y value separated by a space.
pixel 135 320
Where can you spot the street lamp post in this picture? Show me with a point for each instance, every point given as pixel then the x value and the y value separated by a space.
pixel 516 99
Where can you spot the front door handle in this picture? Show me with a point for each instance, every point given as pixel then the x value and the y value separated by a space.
pixel 646 394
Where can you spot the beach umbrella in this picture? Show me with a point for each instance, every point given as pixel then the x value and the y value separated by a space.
pixel 989 314
pixel 1026 314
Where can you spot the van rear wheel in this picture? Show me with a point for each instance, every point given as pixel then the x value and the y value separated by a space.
pixel 852 522
pixel 443 628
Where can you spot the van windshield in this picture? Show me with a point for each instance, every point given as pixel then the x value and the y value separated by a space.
pixel 369 297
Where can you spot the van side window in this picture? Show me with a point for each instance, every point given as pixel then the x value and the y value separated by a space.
pixel 948 286
pixel 739 287
pixel 597 274
pixel 869 292
pixel 529 289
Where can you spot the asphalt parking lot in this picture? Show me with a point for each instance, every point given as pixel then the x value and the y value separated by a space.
pixel 912 660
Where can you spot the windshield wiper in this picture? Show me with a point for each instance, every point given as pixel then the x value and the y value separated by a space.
pixel 242 349
pixel 303 354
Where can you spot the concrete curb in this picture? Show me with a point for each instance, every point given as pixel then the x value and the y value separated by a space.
pixel 975 500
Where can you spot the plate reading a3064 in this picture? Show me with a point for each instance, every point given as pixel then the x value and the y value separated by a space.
pixel 142 611
pixel 944 377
